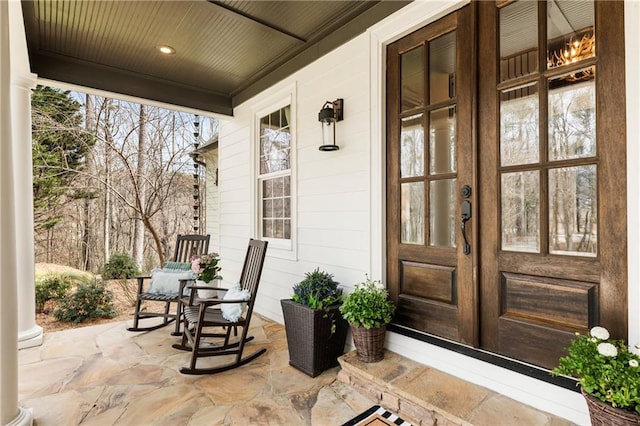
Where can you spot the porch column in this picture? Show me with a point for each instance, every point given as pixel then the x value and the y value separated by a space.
pixel 29 334
pixel 10 413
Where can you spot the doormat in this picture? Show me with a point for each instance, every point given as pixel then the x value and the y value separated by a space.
pixel 376 416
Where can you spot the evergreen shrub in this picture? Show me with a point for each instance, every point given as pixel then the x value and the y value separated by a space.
pixel 120 265
pixel 88 301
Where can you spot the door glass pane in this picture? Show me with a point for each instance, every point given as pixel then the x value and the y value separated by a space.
pixel 412 147
pixel 442 68
pixel 520 207
pixel 442 229
pixel 572 115
pixel 518 39
pixel 412 215
pixel 570 32
pixel 412 78
pixel 442 140
pixel 573 216
pixel 519 131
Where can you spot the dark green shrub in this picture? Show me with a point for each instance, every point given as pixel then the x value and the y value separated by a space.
pixel 88 301
pixel 51 287
pixel 317 290
pixel 120 265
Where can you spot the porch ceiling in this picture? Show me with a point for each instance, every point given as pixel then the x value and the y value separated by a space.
pixel 226 50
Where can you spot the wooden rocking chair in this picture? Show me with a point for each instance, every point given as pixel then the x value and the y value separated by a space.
pixel 205 313
pixel 186 247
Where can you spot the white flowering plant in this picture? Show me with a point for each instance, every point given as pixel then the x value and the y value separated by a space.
pixel 605 368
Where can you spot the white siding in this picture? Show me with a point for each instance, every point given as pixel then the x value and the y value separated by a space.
pixel 340 204
pixel 212 201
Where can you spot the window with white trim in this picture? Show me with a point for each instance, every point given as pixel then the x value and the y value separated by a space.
pixel 274 176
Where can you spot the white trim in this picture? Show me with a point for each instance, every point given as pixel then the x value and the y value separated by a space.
pixel 284 249
pixel 128 98
pixel 632 66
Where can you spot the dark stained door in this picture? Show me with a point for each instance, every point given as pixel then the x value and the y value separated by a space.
pixel 429 162
pixel 545 167
pixel 553 175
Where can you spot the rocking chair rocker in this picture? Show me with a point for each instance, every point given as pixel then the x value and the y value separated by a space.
pixel 186 247
pixel 205 313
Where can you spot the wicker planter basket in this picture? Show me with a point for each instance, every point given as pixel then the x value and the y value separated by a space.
pixel 603 414
pixel 313 348
pixel 369 343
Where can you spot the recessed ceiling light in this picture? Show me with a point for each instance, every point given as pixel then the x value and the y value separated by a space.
pixel 166 49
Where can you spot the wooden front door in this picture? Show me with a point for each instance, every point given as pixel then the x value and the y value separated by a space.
pixel 429 166
pixel 545 169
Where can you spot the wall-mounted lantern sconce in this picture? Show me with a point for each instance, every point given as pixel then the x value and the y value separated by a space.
pixel 328 116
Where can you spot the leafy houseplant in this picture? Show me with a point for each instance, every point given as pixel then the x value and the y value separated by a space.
pixel 316 332
pixel 607 371
pixel 368 310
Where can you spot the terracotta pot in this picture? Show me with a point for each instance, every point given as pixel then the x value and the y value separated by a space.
pixel 603 414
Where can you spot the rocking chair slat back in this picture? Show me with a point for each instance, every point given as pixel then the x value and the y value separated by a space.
pixel 188 246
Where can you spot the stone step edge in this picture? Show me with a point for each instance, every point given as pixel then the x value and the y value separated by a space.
pixel 405 405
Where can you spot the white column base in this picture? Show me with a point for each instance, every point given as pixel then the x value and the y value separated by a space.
pixel 30 338
pixel 24 418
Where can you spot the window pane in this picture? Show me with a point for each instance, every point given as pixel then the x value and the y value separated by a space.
pixel 570 32
pixel 412 216
pixel 518 40
pixel 442 68
pixel 442 229
pixel 572 115
pixel 268 228
pixel 412 147
pixel 573 216
pixel 442 140
pixel 276 207
pixel 519 131
pixel 520 202
pixel 267 188
pixel 412 78
pixel 275 142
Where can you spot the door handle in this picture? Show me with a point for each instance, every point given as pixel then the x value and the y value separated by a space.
pixel 465 216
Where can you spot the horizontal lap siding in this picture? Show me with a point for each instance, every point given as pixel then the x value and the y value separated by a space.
pixel 333 188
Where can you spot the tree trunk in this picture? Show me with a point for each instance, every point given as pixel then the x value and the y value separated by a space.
pixel 107 187
pixel 88 197
pixel 138 231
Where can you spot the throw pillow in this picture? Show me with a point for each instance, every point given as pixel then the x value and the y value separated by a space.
pixel 233 311
pixel 183 266
pixel 167 281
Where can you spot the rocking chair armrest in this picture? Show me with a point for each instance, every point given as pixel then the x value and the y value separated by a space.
pixel 205 287
pixel 141 279
pixel 211 302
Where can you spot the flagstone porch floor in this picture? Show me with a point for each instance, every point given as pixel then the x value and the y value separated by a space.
pixel 105 375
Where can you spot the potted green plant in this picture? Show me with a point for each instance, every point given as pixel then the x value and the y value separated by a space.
pixel 609 376
pixel 368 310
pixel 207 269
pixel 316 332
